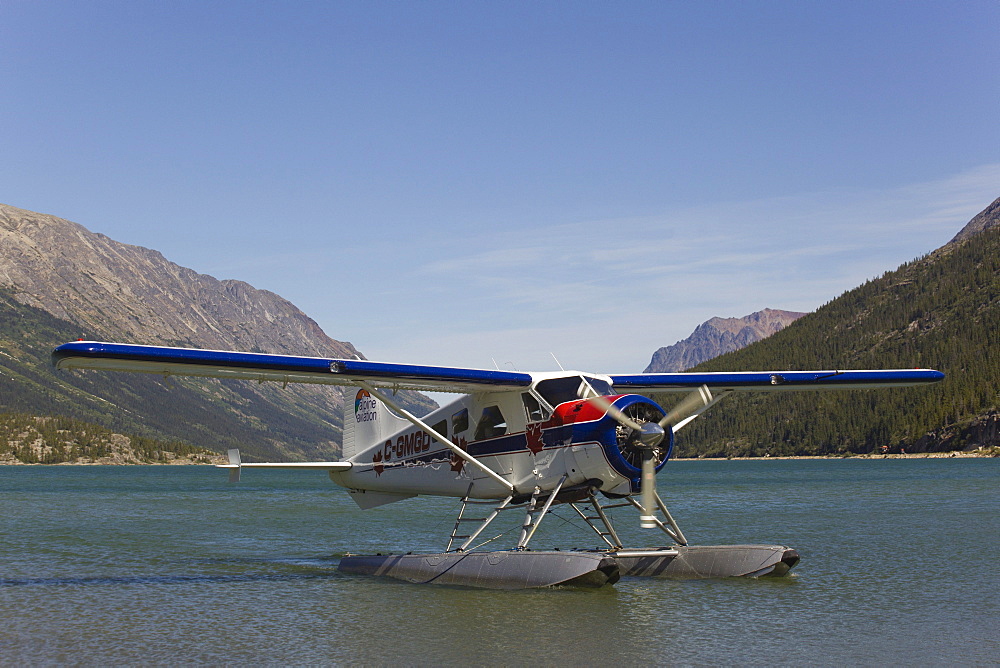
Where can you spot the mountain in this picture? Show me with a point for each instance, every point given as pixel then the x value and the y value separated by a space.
pixel 717 336
pixel 940 311
pixel 134 293
pixel 59 281
pixel 987 218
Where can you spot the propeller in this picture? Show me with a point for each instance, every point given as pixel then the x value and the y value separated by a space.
pixel 688 406
pixel 647 436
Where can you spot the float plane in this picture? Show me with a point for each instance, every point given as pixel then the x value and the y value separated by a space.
pixel 513 442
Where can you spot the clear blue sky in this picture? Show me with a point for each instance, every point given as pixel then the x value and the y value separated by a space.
pixel 457 182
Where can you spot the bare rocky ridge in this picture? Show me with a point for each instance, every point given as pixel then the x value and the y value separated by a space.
pixel 718 336
pixel 987 218
pixel 135 294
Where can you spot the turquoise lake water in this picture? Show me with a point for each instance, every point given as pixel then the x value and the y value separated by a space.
pixel 167 565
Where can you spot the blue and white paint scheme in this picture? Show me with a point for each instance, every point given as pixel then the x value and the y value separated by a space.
pixel 510 432
pixel 535 438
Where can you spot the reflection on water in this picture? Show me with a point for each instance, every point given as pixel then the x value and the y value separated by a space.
pixel 167 564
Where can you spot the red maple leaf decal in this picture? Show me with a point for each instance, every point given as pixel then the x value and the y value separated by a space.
pixel 376 458
pixel 457 463
pixel 534 436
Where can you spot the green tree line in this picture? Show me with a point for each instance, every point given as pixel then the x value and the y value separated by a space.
pixel 941 311
pixel 217 415
pixel 55 440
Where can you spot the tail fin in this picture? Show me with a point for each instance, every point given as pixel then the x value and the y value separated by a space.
pixel 234 465
pixel 367 422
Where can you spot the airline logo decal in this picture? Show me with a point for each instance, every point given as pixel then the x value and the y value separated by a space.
pixel 365 407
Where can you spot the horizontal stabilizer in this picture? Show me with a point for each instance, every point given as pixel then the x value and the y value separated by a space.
pixel 316 466
pixel 235 465
pixel 302 466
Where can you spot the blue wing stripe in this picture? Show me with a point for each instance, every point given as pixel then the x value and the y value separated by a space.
pixel 366 369
pixel 300 366
pixel 212 358
pixel 776 379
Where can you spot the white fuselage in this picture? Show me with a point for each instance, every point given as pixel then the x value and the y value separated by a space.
pixel 520 436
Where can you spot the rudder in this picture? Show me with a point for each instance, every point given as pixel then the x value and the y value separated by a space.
pixel 367 422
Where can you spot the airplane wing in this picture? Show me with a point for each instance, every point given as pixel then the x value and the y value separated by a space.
pixel 770 381
pixel 167 361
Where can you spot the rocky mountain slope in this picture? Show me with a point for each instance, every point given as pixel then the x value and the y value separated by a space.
pixel 99 288
pixel 718 336
pixel 940 311
pixel 135 294
pixel 987 218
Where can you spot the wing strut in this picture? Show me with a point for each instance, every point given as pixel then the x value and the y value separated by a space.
pixel 437 436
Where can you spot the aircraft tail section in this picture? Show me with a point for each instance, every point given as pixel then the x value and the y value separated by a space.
pixel 367 422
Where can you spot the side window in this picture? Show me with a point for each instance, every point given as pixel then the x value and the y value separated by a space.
pixel 532 410
pixel 492 423
pixel 460 421
pixel 441 428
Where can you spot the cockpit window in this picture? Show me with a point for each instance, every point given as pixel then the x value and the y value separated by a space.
pixel 560 390
pixel 492 423
pixel 601 387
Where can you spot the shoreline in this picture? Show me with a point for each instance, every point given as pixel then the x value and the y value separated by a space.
pixel 985 453
pixel 953 454
pixel 180 461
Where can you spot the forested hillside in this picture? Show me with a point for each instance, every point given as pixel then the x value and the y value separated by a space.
pixel 941 311
pixel 207 413
pixel 30 439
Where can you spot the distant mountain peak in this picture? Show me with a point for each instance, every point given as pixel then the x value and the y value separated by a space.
pixel 987 218
pixel 717 336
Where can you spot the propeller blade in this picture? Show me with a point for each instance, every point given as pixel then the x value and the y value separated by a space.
pixel 647 490
pixel 687 406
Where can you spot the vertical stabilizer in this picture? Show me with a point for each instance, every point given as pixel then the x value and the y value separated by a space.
pixel 367 422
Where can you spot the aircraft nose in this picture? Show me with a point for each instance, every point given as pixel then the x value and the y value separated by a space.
pixel 651 434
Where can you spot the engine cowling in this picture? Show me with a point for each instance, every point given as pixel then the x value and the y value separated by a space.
pixel 621 443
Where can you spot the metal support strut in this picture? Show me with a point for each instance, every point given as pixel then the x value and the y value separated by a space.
pixel 610 536
pixel 483 521
pixel 531 520
pixel 670 526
